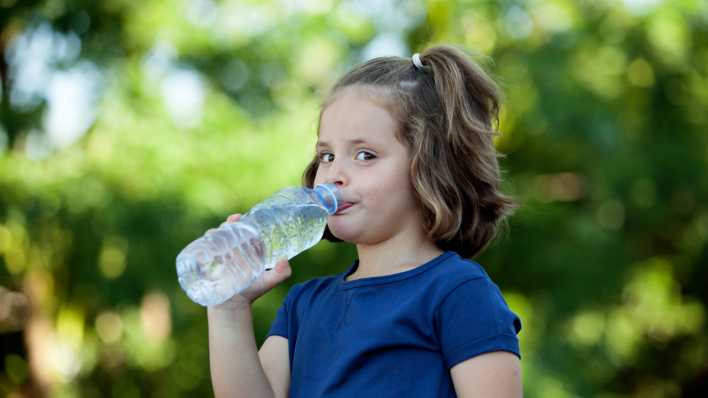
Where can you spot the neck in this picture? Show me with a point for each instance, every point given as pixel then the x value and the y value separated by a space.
pixel 397 254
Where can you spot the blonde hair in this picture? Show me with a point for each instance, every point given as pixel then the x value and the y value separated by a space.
pixel 446 112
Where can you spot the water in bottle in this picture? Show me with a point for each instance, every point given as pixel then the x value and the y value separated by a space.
pixel 227 260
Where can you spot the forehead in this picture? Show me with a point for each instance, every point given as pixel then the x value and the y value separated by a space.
pixel 354 116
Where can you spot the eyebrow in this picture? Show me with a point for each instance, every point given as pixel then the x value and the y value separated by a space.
pixel 352 141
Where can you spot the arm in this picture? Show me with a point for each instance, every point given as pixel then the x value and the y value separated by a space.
pixel 275 360
pixel 478 335
pixel 237 368
pixel 495 374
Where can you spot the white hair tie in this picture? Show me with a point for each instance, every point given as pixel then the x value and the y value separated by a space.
pixel 416 61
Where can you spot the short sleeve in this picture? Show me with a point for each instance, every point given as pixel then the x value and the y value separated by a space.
pixel 280 325
pixel 474 319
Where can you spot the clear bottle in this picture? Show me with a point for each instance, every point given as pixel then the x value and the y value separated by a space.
pixel 227 260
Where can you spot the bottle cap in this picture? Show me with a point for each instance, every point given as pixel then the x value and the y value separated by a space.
pixel 329 196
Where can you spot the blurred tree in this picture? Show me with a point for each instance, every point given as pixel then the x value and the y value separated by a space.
pixel 129 128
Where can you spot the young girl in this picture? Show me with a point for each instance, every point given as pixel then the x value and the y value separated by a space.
pixel 409 141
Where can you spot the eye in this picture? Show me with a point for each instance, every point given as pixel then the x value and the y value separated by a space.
pixel 323 156
pixel 371 155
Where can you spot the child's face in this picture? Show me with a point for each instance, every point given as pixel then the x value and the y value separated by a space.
pixel 358 151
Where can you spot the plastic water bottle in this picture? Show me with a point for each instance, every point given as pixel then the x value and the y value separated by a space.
pixel 227 260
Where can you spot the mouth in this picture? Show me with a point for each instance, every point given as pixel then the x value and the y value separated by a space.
pixel 343 207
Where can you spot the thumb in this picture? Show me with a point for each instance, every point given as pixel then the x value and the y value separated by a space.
pixel 279 273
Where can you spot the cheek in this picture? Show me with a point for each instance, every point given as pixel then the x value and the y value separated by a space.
pixel 385 198
pixel 317 179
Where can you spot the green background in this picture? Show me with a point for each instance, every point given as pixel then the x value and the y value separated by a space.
pixel 195 109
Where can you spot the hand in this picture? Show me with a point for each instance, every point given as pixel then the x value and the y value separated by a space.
pixel 264 283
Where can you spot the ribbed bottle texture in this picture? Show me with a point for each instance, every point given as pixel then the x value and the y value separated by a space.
pixel 227 260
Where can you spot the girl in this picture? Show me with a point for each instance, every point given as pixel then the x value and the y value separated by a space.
pixel 409 141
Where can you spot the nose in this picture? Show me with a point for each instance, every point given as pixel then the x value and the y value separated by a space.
pixel 336 174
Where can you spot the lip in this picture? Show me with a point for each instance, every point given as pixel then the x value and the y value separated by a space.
pixel 344 207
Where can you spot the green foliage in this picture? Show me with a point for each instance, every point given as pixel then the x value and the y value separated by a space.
pixel 603 126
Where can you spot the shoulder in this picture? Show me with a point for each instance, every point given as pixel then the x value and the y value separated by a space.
pixel 466 268
pixel 471 316
pixel 467 278
pixel 455 271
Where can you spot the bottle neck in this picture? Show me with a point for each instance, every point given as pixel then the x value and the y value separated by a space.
pixel 329 196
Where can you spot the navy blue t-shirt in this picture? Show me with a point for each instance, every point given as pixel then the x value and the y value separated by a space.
pixel 394 335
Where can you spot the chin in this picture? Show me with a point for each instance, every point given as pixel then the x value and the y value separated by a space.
pixel 344 234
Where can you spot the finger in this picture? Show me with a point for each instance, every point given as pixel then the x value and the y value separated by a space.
pixel 282 266
pixel 274 276
pixel 279 266
pixel 282 272
pixel 233 217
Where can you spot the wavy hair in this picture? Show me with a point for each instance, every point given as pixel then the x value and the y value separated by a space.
pixel 447 113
